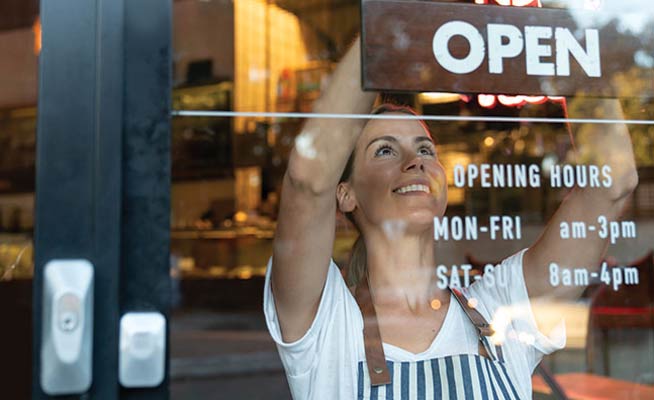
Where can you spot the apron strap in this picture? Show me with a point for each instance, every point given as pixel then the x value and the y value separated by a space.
pixel 375 358
pixel 483 327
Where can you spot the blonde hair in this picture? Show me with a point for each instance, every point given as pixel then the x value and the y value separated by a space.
pixel 358 263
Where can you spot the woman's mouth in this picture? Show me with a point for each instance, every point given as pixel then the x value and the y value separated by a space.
pixel 412 189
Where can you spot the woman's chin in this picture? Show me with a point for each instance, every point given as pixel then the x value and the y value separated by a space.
pixel 419 220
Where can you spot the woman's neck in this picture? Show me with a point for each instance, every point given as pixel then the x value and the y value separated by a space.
pixel 401 270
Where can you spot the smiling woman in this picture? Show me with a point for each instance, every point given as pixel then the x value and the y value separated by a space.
pixel 387 143
pixel 396 332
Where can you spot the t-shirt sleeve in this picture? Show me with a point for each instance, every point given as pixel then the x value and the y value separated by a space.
pixel 301 355
pixel 502 294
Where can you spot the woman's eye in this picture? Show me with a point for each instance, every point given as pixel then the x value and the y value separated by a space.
pixel 384 151
pixel 426 151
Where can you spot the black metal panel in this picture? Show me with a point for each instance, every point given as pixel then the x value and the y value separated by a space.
pixel 78 178
pixel 108 194
pixel 103 166
pixel 145 276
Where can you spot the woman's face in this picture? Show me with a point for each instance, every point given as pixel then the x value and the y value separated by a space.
pixel 396 176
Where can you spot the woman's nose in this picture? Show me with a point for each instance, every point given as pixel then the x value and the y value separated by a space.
pixel 414 163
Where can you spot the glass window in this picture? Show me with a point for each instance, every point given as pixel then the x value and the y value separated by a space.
pixel 20 46
pixel 536 120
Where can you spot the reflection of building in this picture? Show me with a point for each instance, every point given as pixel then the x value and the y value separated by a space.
pixel 262 56
pixel 264 61
pixel 256 55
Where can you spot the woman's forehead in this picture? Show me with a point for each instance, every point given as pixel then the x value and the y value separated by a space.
pixel 400 127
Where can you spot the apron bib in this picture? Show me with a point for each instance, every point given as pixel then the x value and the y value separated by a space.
pixel 463 376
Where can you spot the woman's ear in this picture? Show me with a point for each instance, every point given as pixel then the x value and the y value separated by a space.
pixel 345 197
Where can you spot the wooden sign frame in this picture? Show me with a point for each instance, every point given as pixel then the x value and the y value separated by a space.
pixel 417 46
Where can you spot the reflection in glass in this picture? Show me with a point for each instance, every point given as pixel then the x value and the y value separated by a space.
pixel 280 57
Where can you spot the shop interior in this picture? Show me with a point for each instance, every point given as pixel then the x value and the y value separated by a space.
pixel 275 57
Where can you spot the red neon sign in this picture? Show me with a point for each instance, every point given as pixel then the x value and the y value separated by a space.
pixel 515 3
pixel 491 100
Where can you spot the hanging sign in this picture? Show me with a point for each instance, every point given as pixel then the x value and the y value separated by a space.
pixel 468 48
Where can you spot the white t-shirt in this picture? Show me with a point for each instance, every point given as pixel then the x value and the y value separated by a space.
pixel 323 363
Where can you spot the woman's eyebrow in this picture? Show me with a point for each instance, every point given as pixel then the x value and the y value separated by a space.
pixel 424 139
pixel 388 138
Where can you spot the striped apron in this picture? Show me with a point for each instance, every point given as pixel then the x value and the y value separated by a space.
pixel 463 376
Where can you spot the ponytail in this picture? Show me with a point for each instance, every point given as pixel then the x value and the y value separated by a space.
pixel 356 269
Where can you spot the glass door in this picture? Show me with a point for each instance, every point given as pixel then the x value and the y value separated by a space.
pixel 167 137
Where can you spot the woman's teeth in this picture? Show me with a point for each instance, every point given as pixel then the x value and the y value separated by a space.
pixel 413 188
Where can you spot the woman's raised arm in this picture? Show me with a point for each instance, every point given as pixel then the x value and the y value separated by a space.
pixel 606 146
pixel 305 230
